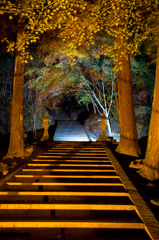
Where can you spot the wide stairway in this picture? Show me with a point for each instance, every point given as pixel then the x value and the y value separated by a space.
pixel 68 129
pixel 70 191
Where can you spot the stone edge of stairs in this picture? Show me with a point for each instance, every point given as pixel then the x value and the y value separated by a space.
pixel 151 223
pixel 37 151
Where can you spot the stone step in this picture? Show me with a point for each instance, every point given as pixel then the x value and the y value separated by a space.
pixel 69 170
pixel 57 193
pixel 68 165
pixel 75 143
pixel 63 184
pixel 38 199
pixel 73 156
pixel 92 177
pixel 74 150
pixel 75 153
pixel 70 138
pixel 50 206
pixel 64 187
pixel 68 160
pixel 114 215
pixel 70 224
pixel 74 233
pixel 66 172
pixel 76 146
pixel 116 200
pixel 70 215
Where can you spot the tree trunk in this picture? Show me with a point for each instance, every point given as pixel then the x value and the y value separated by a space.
pixel 16 146
pixel 109 127
pixel 128 143
pixel 150 169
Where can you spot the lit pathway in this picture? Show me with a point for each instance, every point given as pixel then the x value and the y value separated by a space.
pixel 68 130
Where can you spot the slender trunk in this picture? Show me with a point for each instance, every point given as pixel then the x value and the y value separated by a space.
pixel 109 127
pixel 150 169
pixel 16 146
pixel 105 111
pixel 34 124
pixel 128 143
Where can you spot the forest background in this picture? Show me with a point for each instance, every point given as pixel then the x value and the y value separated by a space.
pixel 143 78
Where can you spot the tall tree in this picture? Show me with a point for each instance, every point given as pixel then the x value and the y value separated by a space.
pixel 33 17
pixel 119 20
pixel 16 146
pixel 128 143
pixel 150 169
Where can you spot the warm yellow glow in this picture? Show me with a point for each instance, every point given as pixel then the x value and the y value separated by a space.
pixel 55 160
pixel 69 224
pixel 67 206
pixel 62 176
pixel 66 170
pixel 55 156
pixel 67 164
pixel 83 150
pixel 61 184
pixel 76 153
pixel 25 193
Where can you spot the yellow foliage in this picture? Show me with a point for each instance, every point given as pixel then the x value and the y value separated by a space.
pixel 78 21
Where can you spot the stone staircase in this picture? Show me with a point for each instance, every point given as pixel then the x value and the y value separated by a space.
pixel 71 191
pixel 70 131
